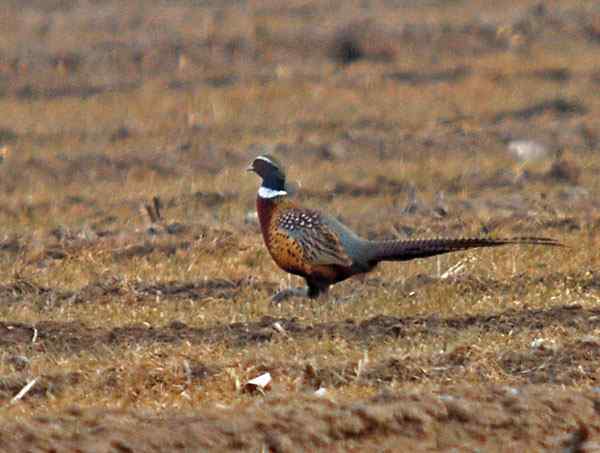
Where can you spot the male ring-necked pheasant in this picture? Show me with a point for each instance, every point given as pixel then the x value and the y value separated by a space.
pixel 315 246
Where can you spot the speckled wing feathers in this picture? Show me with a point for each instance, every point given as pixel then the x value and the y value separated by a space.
pixel 320 245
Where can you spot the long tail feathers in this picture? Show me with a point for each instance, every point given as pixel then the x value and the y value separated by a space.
pixel 404 250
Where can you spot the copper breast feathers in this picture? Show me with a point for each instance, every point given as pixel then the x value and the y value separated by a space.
pixel 308 235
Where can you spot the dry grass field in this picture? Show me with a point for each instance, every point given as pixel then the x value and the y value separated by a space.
pixel 396 116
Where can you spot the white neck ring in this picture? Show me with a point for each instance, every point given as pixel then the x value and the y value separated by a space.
pixel 265 192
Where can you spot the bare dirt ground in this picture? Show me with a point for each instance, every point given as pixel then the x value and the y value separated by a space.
pixel 404 119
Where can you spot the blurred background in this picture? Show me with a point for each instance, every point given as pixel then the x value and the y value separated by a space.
pixel 106 103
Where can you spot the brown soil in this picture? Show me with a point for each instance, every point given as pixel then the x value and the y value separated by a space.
pixel 465 418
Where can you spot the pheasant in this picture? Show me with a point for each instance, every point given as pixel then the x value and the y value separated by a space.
pixel 319 248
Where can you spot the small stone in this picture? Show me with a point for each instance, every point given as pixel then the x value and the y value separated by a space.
pixel 19 362
pixel 259 383
pixel 527 150
pixel 320 392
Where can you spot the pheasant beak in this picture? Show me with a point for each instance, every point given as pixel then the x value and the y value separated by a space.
pixel 250 168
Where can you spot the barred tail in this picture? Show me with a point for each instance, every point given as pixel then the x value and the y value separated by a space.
pixel 404 250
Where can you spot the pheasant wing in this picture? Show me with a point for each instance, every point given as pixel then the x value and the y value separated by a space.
pixel 318 241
